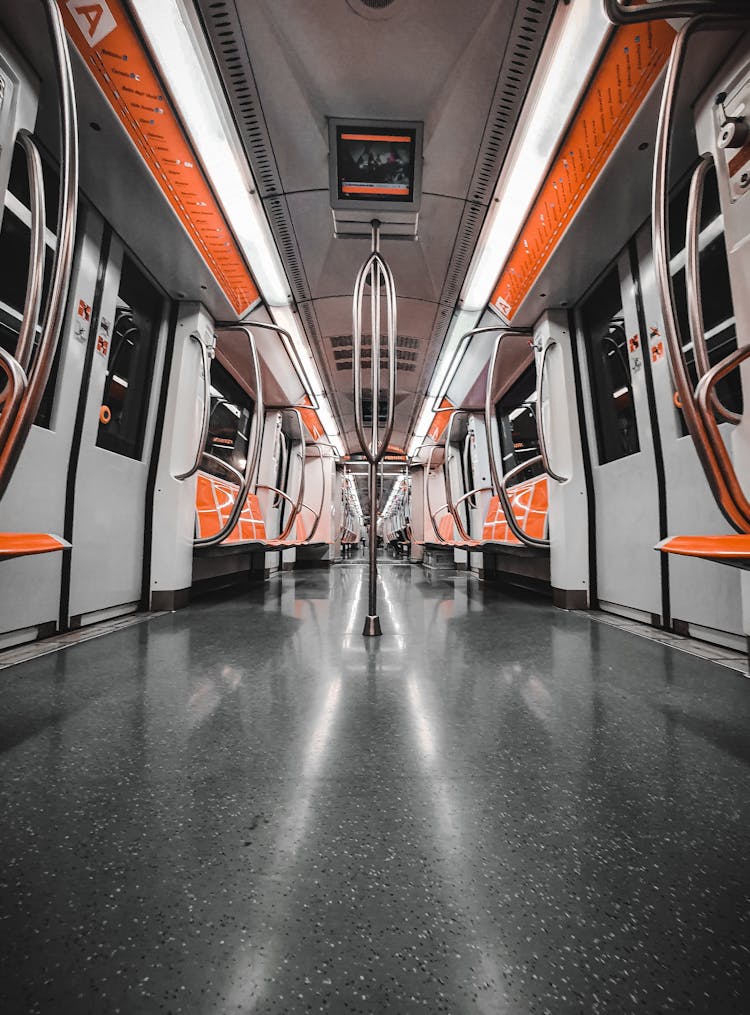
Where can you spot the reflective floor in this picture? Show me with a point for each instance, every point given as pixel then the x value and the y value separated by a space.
pixel 496 807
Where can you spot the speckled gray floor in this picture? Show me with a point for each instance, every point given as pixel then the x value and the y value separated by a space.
pixel 495 808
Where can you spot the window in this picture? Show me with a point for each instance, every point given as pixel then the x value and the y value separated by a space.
pixel 15 248
pixel 122 418
pixel 609 370
pixel 516 419
pixel 229 423
pixel 716 294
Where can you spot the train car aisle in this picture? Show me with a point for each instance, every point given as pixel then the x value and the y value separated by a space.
pixel 495 807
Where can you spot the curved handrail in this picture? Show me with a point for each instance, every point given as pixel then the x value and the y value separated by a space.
pixel 206 356
pixel 13 392
pixel 288 343
pixel 693 283
pixel 33 300
pixel 432 513
pixel 297 504
pixel 713 455
pixel 319 514
pixel 225 465
pixel 620 14
pixel 510 517
pixel 253 459
pixel 543 452
pixel 488 413
pixel 452 506
pixel 377 269
pixel 62 264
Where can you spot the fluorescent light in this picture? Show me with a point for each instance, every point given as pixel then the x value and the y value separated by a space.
pixel 575 39
pixel 196 92
pixel 619 392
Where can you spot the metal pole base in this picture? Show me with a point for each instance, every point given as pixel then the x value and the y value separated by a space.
pixel 372 627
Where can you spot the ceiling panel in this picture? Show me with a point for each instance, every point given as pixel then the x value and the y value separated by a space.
pixel 459 68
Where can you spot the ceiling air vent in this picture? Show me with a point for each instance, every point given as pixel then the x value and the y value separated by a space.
pixel 376 10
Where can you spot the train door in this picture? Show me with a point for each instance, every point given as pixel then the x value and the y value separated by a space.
pixel 626 513
pixel 117 418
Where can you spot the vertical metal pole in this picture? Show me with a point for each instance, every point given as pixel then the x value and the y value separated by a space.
pixel 372 621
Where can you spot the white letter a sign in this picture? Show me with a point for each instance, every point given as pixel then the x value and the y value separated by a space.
pixel 94 19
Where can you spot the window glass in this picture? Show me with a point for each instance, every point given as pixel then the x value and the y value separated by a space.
pixel 229 423
pixel 609 369
pixel 516 418
pixel 133 335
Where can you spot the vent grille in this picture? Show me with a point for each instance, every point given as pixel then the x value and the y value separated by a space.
pixel 466 240
pixel 527 34
pixel 376 5
pixel 224 30
pixel 406 358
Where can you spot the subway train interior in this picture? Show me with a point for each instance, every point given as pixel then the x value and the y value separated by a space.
pixel 374 506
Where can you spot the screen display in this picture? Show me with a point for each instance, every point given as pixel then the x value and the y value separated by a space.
pixel 375 164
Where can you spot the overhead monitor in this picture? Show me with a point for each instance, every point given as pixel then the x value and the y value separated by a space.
pixel 375 165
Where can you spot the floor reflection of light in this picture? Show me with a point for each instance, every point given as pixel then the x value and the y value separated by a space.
pixel 209 693
pixel 421 725
pixel 322 730
pixel 250 969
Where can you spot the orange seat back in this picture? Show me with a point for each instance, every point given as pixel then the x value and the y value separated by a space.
pixel 530 503
pixel 214 500
pixel 446 528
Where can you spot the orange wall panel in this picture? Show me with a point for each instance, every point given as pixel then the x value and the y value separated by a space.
pixel 633 60
pixel 115 55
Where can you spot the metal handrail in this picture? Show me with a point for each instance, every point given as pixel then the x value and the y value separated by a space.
pixel 376 269
pixel 486 330
pixel 432 513
pixel 296 504
pixel 206 356
pixel 253 459
pixel 225 465
pixel 624 14
pixel 288 343
pixel 319 514
pixel 713 456
pixel 540 414
pixel 54 310
pixel 452 506
pixel 510 517
pixel 693 283
pixel 705 392
pixel 33 300
pixel 497 480
pixel 14 390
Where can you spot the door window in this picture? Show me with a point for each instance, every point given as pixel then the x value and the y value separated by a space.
pixel 609 370
pixel 133 337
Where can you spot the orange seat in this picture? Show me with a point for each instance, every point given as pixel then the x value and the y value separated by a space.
pixel 733 548
pixel 26 544
pixel 214 500
pixel 530 503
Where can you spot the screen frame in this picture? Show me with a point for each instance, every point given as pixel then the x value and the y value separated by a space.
pixel 379 204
